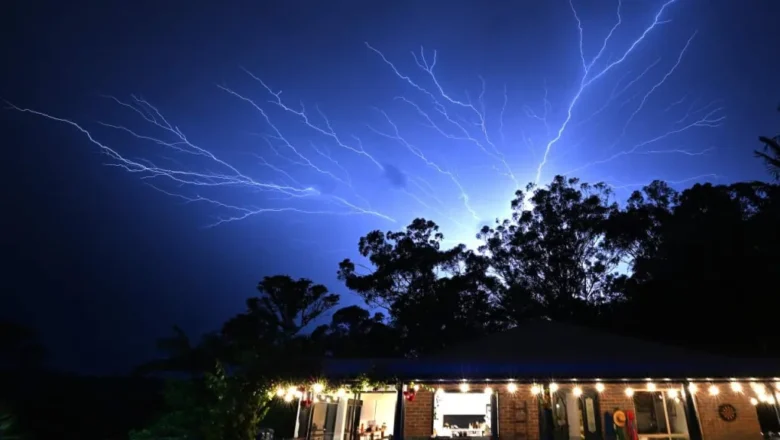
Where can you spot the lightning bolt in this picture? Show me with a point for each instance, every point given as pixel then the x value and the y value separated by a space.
pixel 285 161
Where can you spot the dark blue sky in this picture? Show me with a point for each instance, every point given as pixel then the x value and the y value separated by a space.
pixel 102 263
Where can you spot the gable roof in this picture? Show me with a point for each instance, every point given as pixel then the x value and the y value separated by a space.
pixel 543 349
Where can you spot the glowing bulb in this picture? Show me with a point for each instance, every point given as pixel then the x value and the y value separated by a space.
pixel 288 398
pixel 439 390
pixel 753 401
pixel 600 387
pixel 577 391
pixel 672 393
pixel 416 387
pixel 340 393
pixel 650 386
pixel 464 388
pixel 713 390
pixel 280 391
pixel 536 390
pixel 292 390
pixel 758 387
pixel 553 387
pixel 512 388
pixel 693 388
pixel 777 385
pixel 629 392
pixel 317 387
pixel 488 390
pixel 297 394
pixel 736 387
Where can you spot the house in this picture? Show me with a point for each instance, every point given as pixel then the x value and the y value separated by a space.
pixel 544 380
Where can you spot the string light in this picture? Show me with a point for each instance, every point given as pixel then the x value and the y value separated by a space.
pixel 416 387
pixel 713 390
pixel 488 390
pixel 753 401
pixel 577 391
pixel 759 388
pixel 288 398
pixel 553 387
pixel 672 393
pixel 341 393
pixel 736 387
pixel 464 387
pixel 511 388
pixel 692 388
pixel 600 387
pixel 280 391
pixel 650 386
pixel 629 392
pixel 317 387
pixel 536 390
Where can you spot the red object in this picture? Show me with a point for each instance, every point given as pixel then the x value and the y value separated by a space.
pixel 410 395
pixel 306 403
pixel 631 425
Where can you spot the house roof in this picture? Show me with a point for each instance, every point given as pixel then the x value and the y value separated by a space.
pixel 539 349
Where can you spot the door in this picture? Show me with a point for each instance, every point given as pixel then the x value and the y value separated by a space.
pixel 323 421
pixel 352 424
pixel 560 416
pixel 590 415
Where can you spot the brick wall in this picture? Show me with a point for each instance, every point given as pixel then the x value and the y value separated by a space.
pixel 511 415
pixel 418 416
pixel 745 427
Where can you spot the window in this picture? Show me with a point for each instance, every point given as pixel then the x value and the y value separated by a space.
pixel 659 416
pixel 461 414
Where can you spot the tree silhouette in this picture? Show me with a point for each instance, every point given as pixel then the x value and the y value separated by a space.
pixel 770 154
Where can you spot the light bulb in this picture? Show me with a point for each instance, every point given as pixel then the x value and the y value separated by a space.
pixel 693 388
pixel 736 387
pixel 553 387
pixel 317 387
pixel 650 386
pixel 536 389
pixel 629 392
pixel 713 390
pixel 600 387
pixel 577 391
pixel 464 387
pixel 512 388
pixel 753 401
pixel 672 393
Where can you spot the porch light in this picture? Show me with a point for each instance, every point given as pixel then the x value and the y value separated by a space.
pixel 577 391
pixel 288 398
pixel 464 387
pixel 416 387
pixel 753 401
pixel 713 390
pixel 317 387
pixel 536 390
pixel 511 388
pixel 692 388
pixel 759 388
pixel 553 387
pixel 291 390
pixel 297 394
pixel 341 393
pixel 488 391
pixel 650 386
pixel 629 392
pixel 280 391
pixel 600 387
pixel 736 387
pixel 672 393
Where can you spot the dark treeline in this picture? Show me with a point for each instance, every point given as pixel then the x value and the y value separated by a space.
pixel 697 268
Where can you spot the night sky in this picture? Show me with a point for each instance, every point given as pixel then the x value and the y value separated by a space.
pixel 184 221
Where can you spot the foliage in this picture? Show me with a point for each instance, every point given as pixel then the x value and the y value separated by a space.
pixel 770 154
pixel 433 296
pixel 551 256
pixel 9 429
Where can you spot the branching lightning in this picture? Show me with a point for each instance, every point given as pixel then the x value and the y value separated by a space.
pixel 313 166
